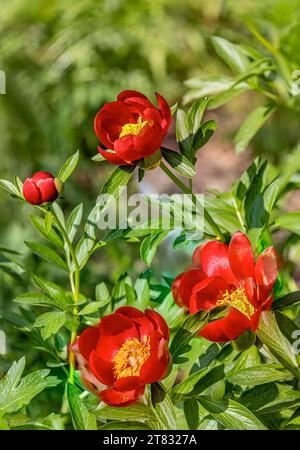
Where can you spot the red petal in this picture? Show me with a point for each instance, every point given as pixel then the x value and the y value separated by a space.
pixel 215 262
pixel 159 323
pixel 241 256
pixel 144 325
pixel 87 341
pixel 113 397
pixel 134 98
pixel 41 176
pixel 103 370
pixel 196 256
pixel 115 330
pixel 266 268
pixel 206 293
pixel 226 329
pixel 108 119
pixel 31 193
pixel 266 306
pixel 48 190
pixel 183 285
pixel 155 368
pixel 165 113
pixel 128 384
pixel 112 157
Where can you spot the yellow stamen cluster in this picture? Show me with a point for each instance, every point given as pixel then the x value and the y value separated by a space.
pixel 239 300
pixel 132 128
pixel 130 358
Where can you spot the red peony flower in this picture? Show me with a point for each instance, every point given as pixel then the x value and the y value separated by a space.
pixel 132 128
pixel 42 187
pixel 126 351
pixel 228 275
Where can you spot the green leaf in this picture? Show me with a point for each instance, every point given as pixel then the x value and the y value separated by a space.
pixel 113 188
pixel 232 54
pixel 10 188
pixel 81 417
pixel 48 221
pixel 74 221
pixel 191 411
pixel 270 335
pixel 142 290
pixel 270 398
pixel 293 298
pixel 289 221
pixel 150 244
pixel 182 132
pixel 204 134
pixel 231 414
pixel 50 323
pixel 52 290
pixel 98 158
pixel 47 253
pixel 90 308
pixel 36 299
pixel 137 412
pixel 251 126
pixel 195 114
pixel 198 382
pixel 102 294
pixel 163 408
pixel 181 164
pixel 190 328
pixel 127 425
pixel 16 392
pixel 50 234
pixel 68 168
pixel 261 374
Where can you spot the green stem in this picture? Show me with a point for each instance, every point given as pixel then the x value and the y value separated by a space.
pixel 74 275
pixel 187 190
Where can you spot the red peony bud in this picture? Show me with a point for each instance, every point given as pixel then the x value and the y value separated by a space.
pixel 42 187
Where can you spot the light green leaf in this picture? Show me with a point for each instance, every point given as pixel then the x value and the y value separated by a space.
pixel 9 187
pixel 50 234
pixel 261 374
pixel 16 392
pixel 137 412
pixel 181 164
pixel 68 168
pixel 102 294
pixel 150 244
pixel 81 417
pixel 128 425
pixel 231 414
pixel 47 253
pixel 232 54
pixel 50 323
pixel 163 408
pixel 36 299
pixel 251 126
pixel 289 221
pixel 270 335
pixel 90 308
pixel 74 221
pixel 52 290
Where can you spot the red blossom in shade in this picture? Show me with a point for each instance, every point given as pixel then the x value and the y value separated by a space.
pixel 42 187
pixel 126 351
pixel 228 275
pixel 132 128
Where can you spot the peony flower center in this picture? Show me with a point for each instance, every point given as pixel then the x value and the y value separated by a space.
pixel 132 128
pixel 130 358
pixel 239 300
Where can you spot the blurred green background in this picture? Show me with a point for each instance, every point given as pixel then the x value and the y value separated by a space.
pixel 63 59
